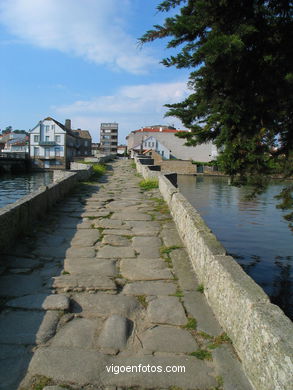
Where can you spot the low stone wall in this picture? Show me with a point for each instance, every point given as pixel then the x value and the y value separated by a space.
pixel 17 218
pixel 261 333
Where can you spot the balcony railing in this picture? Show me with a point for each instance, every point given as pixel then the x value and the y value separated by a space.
pixel 47 143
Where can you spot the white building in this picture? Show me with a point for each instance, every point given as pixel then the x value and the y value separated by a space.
pixel 165 141
pixel 53 145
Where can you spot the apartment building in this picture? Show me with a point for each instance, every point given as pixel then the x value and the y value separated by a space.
pixel 109 138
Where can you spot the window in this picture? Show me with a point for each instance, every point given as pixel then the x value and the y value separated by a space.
pixel 153 144
pixel 57 152
pixel 36 152
pixel 107 131
pixel 36 138
pixel 47 128
pixel 85 143
pixel 47 138
pixel 53 127
pixel 162 152
pixel 58 138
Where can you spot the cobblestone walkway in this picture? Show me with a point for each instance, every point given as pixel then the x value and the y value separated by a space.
pixel 105 283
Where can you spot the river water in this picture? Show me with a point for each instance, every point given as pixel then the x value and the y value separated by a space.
pixel 14 187
pixel 252 231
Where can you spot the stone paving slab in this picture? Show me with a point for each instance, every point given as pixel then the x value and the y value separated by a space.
pixel 78 333
pixel 171 237
pixel 157 339
pixel 116 240
pixel 144 269
pixel 109 224
pixel 132 216
pixel 20 262
pixel 17 285
pixel 197 374
pixel 69 364
pixel 119 232
pixel 183 269
pixel 81 252
pixel 26 327
pixel 230 369
pixel 112 252
pixel 84 282
pixel 103 305
pixel 146 241
pixel 147 252
pixel 102 267
pixel 114 335
pixel 85 238
pixel 166 310
pixel 197 307
pixel 13 359
pixel 40 302
pixel 150 288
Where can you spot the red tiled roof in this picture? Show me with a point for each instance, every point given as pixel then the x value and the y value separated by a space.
pixel 148 130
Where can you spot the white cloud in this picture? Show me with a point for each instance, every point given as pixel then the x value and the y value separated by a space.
pixel 92 29
pixel 131 106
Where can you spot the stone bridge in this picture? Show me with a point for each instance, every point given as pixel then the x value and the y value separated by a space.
pixel 14 162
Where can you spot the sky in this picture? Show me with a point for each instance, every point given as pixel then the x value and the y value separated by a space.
pixel 80 59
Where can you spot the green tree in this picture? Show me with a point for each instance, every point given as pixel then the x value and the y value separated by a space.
pixel 240 55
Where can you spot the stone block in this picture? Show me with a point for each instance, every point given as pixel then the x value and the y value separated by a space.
pixel 112 252
pixel 150 288
pixel 103 305
pixel 17 285
pixel 114 335
pixel 168 339
pixel 84 281
pixel 40 302
pixel 166 310
pixel 144 269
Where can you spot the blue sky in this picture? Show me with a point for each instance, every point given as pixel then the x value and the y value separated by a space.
pixel 79 59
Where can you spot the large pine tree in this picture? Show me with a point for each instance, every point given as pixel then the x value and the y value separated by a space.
pixel 240 53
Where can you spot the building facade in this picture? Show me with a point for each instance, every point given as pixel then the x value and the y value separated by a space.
pixel 54 145
pixel 109 138
pixel 165 140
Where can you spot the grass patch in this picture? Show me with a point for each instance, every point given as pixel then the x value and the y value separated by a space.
pixel 92 217
pixel 205 335
pixel 133 165
pixel 149 184
pixel 191 324
pixel 65 273
pixel 98 171
pixel 166 250
pixel 202 354
pixel 142 300
pixel 138 174
pixel 200 288
pixel 161 206
pixel 39 382
pixel 178 293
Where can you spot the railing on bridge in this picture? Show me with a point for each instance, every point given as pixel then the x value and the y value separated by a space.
pixel 14 155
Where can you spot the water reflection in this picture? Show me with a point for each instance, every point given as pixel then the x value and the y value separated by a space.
pixel 253 231
pixel 14 187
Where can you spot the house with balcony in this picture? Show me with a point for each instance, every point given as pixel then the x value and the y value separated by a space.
pixel 54 145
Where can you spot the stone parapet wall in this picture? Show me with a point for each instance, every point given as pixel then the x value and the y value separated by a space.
pixel 261 333
pixel 180 167
pixel 18 218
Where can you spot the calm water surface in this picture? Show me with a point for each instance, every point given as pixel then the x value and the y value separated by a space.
pixel 14 187
pixel 252 231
